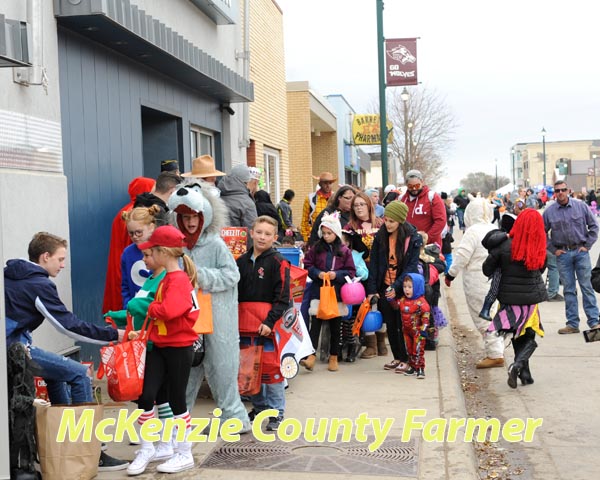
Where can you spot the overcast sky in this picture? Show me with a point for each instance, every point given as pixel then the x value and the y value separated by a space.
pixel 506 69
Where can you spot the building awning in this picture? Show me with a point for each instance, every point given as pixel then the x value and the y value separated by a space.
pixel 121 26
pixel 14 50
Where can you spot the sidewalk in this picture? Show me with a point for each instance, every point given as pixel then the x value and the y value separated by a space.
pixel 361 387
pixel 565 394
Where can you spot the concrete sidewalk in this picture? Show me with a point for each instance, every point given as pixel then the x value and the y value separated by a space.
pixel 565 395
pixel 361 387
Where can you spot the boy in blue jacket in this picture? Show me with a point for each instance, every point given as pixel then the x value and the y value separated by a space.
pixel 30 297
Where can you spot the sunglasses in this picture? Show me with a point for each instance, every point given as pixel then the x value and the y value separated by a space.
pixel 415 186
pixel 561 189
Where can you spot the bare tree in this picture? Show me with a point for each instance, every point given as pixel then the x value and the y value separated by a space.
pixel 424 128
pixel 482 182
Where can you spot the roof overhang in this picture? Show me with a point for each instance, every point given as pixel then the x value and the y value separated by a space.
pixel 121 26
pixel 14 48
pixel 222 12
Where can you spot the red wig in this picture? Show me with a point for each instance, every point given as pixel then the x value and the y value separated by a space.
pixel 529 239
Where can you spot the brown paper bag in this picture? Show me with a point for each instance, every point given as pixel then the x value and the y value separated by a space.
pixel 74 460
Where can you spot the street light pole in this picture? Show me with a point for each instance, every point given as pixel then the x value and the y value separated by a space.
pixel 594 157
pixel 404 96
pixel 544 153
pixel 496 160
pixel 512 153
pixel 383 133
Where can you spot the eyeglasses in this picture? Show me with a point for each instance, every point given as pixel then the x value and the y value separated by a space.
pixel 415 186
pixel 135 233
pixel 561 189
pixel 360 205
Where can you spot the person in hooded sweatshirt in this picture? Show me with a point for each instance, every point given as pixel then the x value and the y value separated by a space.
pixel 426 209
pixel 468 258
pixel 237 198
pixel 30 297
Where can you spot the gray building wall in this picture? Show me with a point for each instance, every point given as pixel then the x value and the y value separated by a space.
pixel 102 97
pixel 33 192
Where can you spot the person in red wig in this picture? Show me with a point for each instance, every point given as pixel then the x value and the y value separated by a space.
pixel 521 257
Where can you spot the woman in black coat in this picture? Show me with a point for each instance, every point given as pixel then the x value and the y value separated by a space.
pixel 264 206
pixel 521 257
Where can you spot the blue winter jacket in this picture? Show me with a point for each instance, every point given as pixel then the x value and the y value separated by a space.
pixel 30 296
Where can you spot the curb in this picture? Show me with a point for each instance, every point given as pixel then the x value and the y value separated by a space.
pixel 461 461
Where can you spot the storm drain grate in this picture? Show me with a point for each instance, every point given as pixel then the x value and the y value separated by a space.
pixel 393 457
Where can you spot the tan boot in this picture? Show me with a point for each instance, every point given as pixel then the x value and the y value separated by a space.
pixel 490 363
pixel 308 362
pixel 371 350
pixel 333 363
pixel 382 350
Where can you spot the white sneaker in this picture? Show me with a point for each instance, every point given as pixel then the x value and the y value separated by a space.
pixel 142 458
pixel 164 451
pixel 177 463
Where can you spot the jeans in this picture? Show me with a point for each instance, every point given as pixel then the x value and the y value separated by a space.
pixel 60 372
pixel 271 395
pixel 553 277
pixel 460 213
pixel 572 264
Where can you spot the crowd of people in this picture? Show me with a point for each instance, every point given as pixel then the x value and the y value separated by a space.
pixel 167 252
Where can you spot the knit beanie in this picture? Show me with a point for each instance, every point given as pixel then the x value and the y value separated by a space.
pixel 397 211
pixel 332 222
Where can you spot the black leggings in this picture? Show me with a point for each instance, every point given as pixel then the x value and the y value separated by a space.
pixel 334 331
pixel 170 365
pixel 394 328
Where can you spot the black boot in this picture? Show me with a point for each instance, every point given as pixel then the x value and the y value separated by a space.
pixel 485 310
pixel 527 351
pixel 525 374
pixel 524 347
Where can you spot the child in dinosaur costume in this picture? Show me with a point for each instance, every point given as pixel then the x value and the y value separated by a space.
pixel 200 215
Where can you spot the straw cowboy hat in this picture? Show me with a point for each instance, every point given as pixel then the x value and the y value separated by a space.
pixel 203 167
pixel 325 177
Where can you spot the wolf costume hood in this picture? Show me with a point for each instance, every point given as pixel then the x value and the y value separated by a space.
pixel 192 198
pixel 218 276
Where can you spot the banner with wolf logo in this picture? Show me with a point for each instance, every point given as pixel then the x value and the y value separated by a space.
pixel 401 62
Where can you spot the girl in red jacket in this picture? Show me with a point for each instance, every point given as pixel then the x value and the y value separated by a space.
pixel 174 312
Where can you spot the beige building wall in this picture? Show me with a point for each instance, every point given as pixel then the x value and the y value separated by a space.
pixel 268 117
pixel 325 154
pixel 300 149
pixel 533 158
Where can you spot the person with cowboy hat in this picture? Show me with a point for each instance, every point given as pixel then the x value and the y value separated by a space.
pixel 315 202
pixel 203 167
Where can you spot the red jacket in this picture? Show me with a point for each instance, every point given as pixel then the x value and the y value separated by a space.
pixel 119 240
pixel 174 311
pixel 427 215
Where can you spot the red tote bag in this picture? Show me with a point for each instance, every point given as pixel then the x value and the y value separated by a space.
pixel 124 364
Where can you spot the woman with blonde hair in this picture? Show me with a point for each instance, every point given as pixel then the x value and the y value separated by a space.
pixel 141 223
